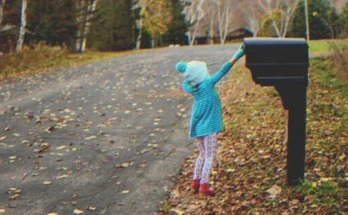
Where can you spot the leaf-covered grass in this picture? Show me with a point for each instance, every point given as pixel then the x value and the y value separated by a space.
pixel 251 156
pixel 44 56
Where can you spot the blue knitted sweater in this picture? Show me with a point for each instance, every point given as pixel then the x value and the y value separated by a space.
pixel 206 117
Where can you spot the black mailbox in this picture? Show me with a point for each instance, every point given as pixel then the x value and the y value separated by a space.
pixel 277 61
pixel 283 63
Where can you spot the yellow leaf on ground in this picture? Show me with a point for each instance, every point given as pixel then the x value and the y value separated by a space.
pixel 60 147
pixel 2 210
pixel 78 211
pixel 62 176
pixel 47 182
pixel 177 211
pixel 90 137
pixel 91 208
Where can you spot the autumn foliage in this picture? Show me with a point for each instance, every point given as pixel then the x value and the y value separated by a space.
pixel 250 169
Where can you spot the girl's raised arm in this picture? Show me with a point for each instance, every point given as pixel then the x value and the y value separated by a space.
pixel 227 66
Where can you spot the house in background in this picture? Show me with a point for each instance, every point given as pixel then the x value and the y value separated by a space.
pixel 203 37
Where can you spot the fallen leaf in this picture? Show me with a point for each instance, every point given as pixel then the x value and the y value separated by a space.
pixel 78 211
pixel 15 196
pixel 47 182
pixel 91 208
pixel 176 211
pixel 274 191
pixel 62 176
pixel 50 129
pixel 60 147
pixel 90 137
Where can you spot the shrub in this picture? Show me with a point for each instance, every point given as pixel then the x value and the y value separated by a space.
pixel 340 57
pixel 41 55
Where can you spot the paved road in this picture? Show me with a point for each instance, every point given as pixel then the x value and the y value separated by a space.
pixel 103 137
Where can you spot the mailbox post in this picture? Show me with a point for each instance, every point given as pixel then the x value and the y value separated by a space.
pixel 283 63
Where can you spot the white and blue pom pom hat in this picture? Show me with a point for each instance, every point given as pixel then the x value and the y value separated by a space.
pixel 194 71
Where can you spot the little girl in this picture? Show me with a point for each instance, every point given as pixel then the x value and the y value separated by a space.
pixel 206 117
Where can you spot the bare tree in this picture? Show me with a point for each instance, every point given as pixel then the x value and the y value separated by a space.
pixel 280 13
pixel 209 23
pixel 80 5
pixel 2 4
pixel 22 26
pixel 86 10
pixel 227 12
pixel 142 4
pixel 212 16
pixel 252 16
pixel 195 12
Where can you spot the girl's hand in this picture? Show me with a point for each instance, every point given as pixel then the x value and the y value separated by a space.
pixel 240 52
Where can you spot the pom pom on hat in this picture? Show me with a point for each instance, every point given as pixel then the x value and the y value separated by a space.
pixel 181 66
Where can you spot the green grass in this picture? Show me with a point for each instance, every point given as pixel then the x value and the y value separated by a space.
pixel 319 45
pixel 322 68
pixel 322 45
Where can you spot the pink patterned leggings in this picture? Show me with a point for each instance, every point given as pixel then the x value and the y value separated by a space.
pixel 204 162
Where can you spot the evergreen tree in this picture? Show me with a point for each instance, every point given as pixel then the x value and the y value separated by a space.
pixel 10 25
pixel 177 27
pixel 52 21
pixel 322 20
pixel 113 26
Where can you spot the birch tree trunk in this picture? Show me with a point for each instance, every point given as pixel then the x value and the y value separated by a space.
pixel 86 10
pixel 90 14
pixel 224 16
pixel 22 26
pixel 194 13
pixel 2 4
pixel 285 8
pixel 193 35
pixel 211 30
pixel 140 26
pixel 252 16
pixel 211 17
pixel 80 6
pixel 290 10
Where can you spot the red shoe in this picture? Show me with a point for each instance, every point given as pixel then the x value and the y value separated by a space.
pixel 206 190
pixel 195 185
